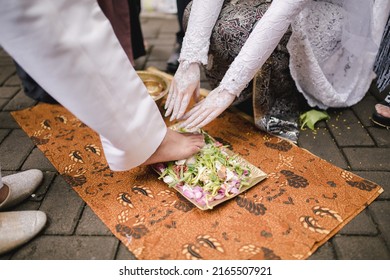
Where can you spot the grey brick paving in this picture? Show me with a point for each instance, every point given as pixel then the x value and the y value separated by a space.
pixel 38 160
pixel 321 144
pixel 27 205
pixel 68 248
pixel 124 253
pixel 381 136
pixel 7 121
pixel 90 224
pixel 15 149
pixel 19 101
pixel 3 134
pixel 5 60
pixel 360 248
pixel 5 73
pixel 381 213
pixel 368 158
pixel 3 102
pixel 63 207
pixel 325 252
pixel 12 81
pixel 362 224
pixel 151 29
pixel 347 129
pixel 8 92
pixel 73 230
pixel 380 178
pixel 163 41
pixel 160 53
pixel 169 27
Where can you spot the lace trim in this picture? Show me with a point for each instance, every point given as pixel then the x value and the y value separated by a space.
pixel 196 41
pixel 260 44
pixel 325 72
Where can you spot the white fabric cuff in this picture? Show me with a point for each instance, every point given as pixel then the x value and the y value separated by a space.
pixel 123 160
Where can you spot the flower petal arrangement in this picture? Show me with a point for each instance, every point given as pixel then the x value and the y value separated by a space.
pixel 213 175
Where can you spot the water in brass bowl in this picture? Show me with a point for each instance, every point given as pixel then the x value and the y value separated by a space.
pixel 156 85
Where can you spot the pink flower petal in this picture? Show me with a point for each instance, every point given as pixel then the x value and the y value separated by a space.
pixel 219 196
pixel 234 190
pixel 188 194
pixel 201 201
pixel 198 194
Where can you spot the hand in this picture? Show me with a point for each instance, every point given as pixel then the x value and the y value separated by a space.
pixel 208 109
pixel 185 83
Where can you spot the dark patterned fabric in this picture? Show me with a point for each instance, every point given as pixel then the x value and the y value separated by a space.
pixel 382 63
pixel 274 97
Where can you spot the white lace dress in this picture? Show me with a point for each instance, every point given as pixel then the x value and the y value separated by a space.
pixel 332 47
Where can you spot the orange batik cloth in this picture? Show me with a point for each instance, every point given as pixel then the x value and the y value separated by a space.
pixel 303 202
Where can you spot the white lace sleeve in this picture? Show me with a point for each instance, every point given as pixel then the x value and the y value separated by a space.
pixel 262 41
pixel 196 41
pixel 333 47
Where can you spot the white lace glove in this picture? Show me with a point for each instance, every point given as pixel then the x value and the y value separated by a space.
pixel 194 51
pixel 185 84
pixel 256 50
pixel 208 109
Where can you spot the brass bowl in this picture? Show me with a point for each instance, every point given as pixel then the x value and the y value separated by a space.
pixel 156 85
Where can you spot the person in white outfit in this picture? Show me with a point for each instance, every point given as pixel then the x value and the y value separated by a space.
pixel 332 49
pixel 70 49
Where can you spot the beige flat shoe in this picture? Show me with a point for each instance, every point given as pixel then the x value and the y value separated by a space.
pixel 21 185
pixel 19 227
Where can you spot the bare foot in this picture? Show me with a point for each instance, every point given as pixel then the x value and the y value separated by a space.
pixel 383 110
pixel 176 146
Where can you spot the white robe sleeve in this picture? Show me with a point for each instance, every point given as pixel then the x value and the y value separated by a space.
pixel 72 52
pixel 258 47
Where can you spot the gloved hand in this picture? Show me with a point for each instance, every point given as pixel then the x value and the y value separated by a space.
pixel 185 83
pixel 208 109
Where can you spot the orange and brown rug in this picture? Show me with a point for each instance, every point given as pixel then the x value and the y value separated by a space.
pixel 303 202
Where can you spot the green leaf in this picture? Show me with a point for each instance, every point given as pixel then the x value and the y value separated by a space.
pixel 310 118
